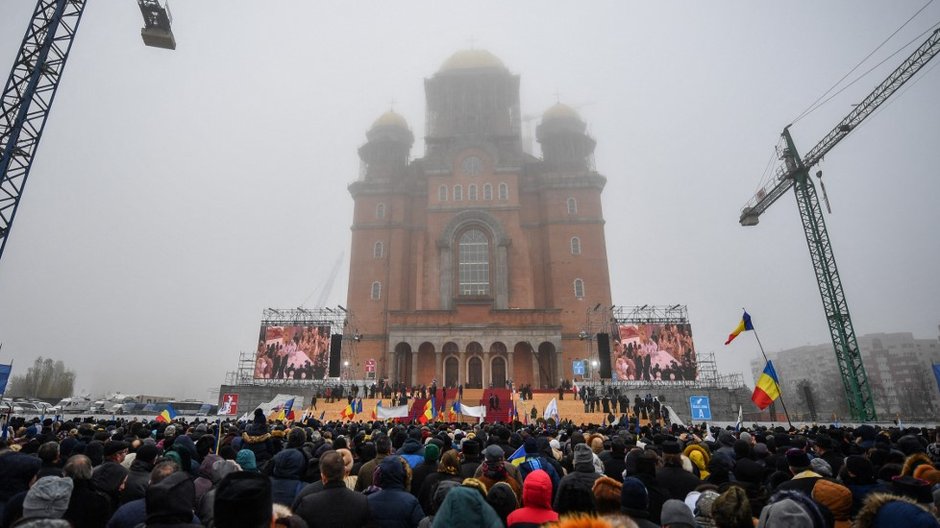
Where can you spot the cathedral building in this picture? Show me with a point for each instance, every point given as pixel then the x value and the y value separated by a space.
pixel 476 263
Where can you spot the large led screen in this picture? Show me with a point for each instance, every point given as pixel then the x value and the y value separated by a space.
pixel 653 352
pixel 293 352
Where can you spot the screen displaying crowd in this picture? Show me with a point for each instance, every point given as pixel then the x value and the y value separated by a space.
pixel 293 352
pixel 650 352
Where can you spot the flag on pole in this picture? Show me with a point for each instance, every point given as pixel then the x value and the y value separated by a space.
pixel 4 377
pixel 322 414
pixel 167 415
pixel 551 410
pixel 743 326
pixel 519 455
pixel 359 405
pixel 452 412
pixel 348 412
pixel 768 387
pixel 375 410
pixel 428 413
pixel 740 422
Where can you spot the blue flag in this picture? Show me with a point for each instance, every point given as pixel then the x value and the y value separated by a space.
pixel 4 377
pixel 936 373
pixel 359 406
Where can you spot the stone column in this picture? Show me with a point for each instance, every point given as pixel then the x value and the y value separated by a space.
pixel 536 373
pixel 414 367
pixel 487 374
pixel 462 371
pixel 438 367
pixel 509 356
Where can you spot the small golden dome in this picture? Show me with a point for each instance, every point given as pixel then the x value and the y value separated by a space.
pixel 472 59
pixel 561 111
pixel 390 118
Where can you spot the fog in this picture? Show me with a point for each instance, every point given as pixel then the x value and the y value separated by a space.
pixel 176 194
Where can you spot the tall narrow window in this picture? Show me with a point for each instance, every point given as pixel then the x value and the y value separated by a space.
pixel 474 263
pixel 378 250
pixel 458 193
pixel 572 206
pixel 579 288
pixel 442 193
pixel 376 290
pixel 575 246
pixel 503 191
pixel 380 210
pixel 487 192
pixel 471 192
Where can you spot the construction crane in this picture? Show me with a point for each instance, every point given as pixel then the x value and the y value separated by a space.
pixel 794 173
pixel 32 85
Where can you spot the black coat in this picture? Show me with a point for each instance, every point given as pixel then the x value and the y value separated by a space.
pixel 334 506
pixel 677 482
pixel 87 508
pixel 137 481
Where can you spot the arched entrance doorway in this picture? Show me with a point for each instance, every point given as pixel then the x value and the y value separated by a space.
pixel 403 363
pixel 475 373
pixel 498 370
pixel 545 358
pixel 450 371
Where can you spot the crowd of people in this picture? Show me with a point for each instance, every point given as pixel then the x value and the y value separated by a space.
pixel 259 473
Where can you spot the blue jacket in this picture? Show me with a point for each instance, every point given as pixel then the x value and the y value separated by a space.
pixel 393 507
pixel 413 452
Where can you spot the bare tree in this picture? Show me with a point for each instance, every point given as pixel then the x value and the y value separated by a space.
pixel 46 379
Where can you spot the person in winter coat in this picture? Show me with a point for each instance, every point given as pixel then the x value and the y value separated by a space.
pixel 440 493
pixel 613 460
pixel 393 506
pixel 412 451
pixel 447 470
pixel 257 438
pixel 87 507
pixel 503 500
pixel 466 508
pixel 428 467
pixel 336 506
pixel 635 502
pixel 535 460
pixel 203 482
pixel 700 457
pixel 135 487
pixel 170 502
pixel 891 511
pixel 16 472
pixel 383 447
pixel 289 466
pixel 494 469
pixel 205 506
pixel 536 502
pixel 677 481
pixel 580 482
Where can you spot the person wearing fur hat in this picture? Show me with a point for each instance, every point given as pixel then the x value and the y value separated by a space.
pixel 581 480
pixel 700 457
pixel 883 510
pixel 732 509
pixel 258 439
pixel 607 495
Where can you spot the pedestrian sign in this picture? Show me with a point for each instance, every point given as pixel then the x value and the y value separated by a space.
pixel 701 408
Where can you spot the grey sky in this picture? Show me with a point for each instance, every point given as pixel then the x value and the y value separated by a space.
pixel 177 194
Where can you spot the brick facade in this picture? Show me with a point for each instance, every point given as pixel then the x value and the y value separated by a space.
pixel 463 264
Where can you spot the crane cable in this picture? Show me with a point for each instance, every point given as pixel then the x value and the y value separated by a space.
pixel 816 104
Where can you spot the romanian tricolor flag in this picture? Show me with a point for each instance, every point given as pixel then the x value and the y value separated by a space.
pixel 452 412
pixel 428 412
pixel 375 410
pixel 167 415
pixel 348 413
pixel 743 326
pixel 767 389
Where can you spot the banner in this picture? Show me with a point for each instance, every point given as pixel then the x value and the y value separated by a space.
pixel 293 352
pixel 936 373
pixel 384 413
pixel 477 412
pixel 653 352
pixel 5 376
pixel 229 405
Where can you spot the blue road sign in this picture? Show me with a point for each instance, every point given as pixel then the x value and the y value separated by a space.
pixel 701 407
pixel 578 368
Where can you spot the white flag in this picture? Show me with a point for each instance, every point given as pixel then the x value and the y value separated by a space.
pixel 740 422
pixel 551 410
pixel 384 413
pixel 477 412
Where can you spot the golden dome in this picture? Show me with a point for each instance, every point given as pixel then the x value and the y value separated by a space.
pixel 561 111
pixel 390 118
pixel 472 59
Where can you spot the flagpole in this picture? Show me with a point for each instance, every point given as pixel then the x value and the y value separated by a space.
pixel 779 388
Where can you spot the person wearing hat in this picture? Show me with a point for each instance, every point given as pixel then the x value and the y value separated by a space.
pixel 536 502
pixel 447 470
pixel 138 477
pixel 470 457
pixel 579 482
pixel 672 476
pixel 258 439
pixel 48 498
pixel 495 469
pixel 392 506
pixel 677 515
pixel 635 502
pixel 534 460
pixel 804 478
pixel 837 498
pixel 243 499
pixel 732 509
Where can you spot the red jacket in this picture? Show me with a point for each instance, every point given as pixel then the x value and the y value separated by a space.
pixel 536 502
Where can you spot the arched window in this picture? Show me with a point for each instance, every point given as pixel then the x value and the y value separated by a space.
pixel 378 250
pixel 458 193
pixel 474 263
pixel 575 246
pixel 442 193
pixel 572 206
pixel 487 192
pixel 503 191
pixel 579 288
pixel 380 210
pixel 471 192
pixel 376 291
